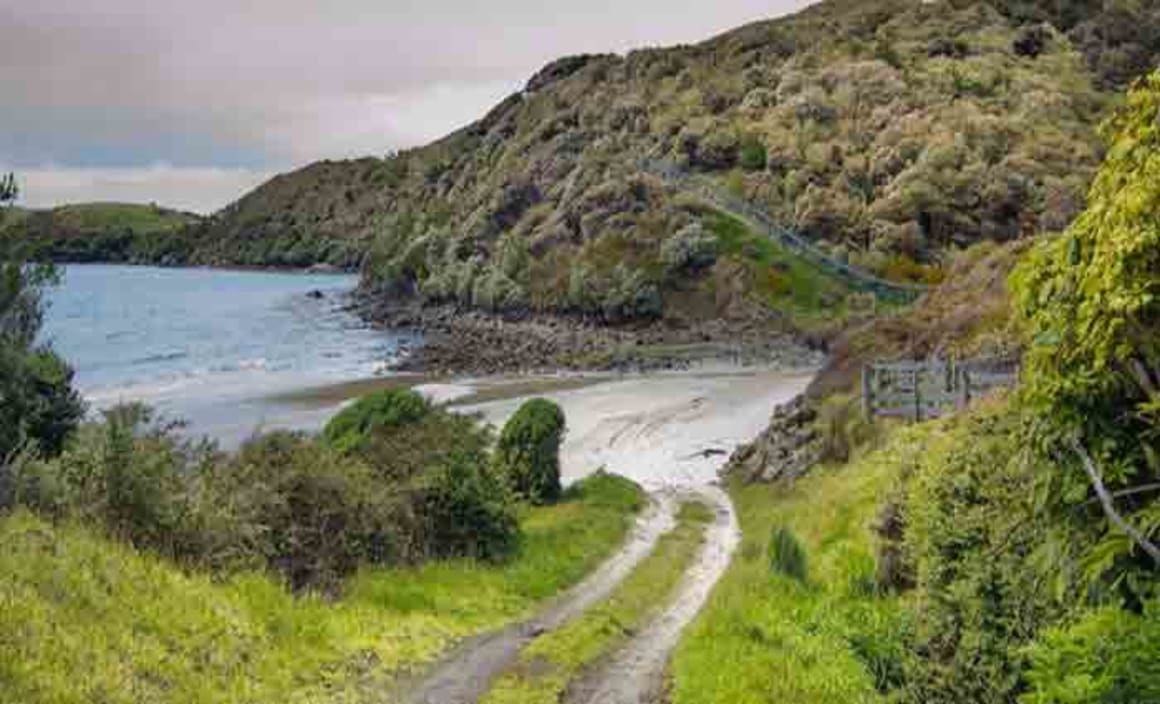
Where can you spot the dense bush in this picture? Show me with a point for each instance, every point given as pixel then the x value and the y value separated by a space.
pixel 528 452
pixel 416 483
pixel 987 577
pixel 1088 305
pixel 37 402
pixel 1108 656
pixel 352 426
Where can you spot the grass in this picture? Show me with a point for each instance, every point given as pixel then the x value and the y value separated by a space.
pixel 102 216
pixel 781 279
pixel 548 665
pixel 84 619
pixel 768 637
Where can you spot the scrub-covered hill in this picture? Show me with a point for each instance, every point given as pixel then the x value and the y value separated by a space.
pixel 886 131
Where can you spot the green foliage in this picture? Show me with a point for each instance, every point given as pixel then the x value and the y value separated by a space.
pixel 37 402
pixel 528 451
pixel 88 619
pixel 754 155
pixel 988 569
pixel 1088 305
pixel 351 427
pixel 1109 656
pixel 761 639
pixel 416 485
pixel 786 554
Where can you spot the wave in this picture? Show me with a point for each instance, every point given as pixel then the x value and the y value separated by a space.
pixel 161 357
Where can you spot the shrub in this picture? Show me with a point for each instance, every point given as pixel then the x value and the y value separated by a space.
pixel 350 427
pixel 1110 656
pixel 299 508
pixel 38 405
pixel 754 155
pixel 127 474
pixel 452 501
pixel 691 249
pixel 528 452
pixel 786 554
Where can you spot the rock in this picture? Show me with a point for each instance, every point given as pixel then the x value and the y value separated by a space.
pixel 315 294
pixel 787 449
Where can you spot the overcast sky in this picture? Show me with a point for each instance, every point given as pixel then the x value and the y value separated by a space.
pixel 191 103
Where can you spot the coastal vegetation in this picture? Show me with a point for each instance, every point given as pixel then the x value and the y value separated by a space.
pixel 889 133
pixel 104 232
pixel 1006 553
pixel 168 634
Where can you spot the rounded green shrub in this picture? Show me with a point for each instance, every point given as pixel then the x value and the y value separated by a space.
pixel 528 452
pixel 350 428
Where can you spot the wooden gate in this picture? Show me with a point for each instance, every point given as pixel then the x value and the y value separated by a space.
pixel 923 390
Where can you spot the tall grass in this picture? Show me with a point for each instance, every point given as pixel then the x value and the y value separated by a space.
pixel 768 635
pixel 87 619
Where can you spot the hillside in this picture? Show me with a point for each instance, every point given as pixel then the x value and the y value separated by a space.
pixel 116 232
pixel 886 131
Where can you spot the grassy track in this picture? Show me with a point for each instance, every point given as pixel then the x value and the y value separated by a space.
pixel 551 662
pixel 765 637
pixel 83 619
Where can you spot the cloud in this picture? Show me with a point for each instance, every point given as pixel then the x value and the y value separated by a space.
pixel 270 84
pixel 200 190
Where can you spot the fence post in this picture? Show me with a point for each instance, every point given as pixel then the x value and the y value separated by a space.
pixel 867 391
pixel 918 375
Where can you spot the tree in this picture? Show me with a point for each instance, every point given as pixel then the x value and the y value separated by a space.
pixel 528 452
pixel 38 405
pixel 1090 304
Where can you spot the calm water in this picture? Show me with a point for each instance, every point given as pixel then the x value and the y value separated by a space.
pixel 210 346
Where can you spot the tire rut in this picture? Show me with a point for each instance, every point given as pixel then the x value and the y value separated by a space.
pixel 469 671
pixel 635 673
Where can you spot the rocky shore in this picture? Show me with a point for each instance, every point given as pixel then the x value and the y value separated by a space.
pixel 458 341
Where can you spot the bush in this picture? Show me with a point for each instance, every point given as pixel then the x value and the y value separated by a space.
pixel 786 554
pixel 1110 656
pixel 39 404
pixel 128 474
pixel 754 155
pixel 528 452
pixel 452 501
pixel 350 428
pixel 299 508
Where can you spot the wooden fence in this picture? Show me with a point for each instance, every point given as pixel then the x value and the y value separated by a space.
pixel 923 390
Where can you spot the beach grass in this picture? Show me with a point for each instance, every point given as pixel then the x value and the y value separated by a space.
pixel 86 619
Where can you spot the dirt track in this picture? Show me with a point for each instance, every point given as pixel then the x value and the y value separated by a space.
pixel 468 672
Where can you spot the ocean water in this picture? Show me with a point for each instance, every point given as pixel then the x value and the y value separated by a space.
pixel 214 347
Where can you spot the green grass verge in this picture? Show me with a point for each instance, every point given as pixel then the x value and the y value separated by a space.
pixel 84 619
pixel 781 279
pixel 547 666
pixel 765 636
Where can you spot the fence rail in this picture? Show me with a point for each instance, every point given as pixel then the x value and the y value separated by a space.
pixel 854 277
pixel 923 390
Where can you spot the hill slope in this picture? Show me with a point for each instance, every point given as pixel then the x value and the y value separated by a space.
pixel 116 232
pixel 887 131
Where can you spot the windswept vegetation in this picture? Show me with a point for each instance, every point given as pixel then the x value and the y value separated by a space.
pixel 889 132
pixel 86 618
pixel 1007 553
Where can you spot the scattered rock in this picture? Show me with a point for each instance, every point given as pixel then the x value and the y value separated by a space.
pixel 787 449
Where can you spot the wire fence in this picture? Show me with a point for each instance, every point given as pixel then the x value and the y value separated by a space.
pixel 856 278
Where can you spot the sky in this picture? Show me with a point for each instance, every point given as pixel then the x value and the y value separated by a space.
pixel 189 104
